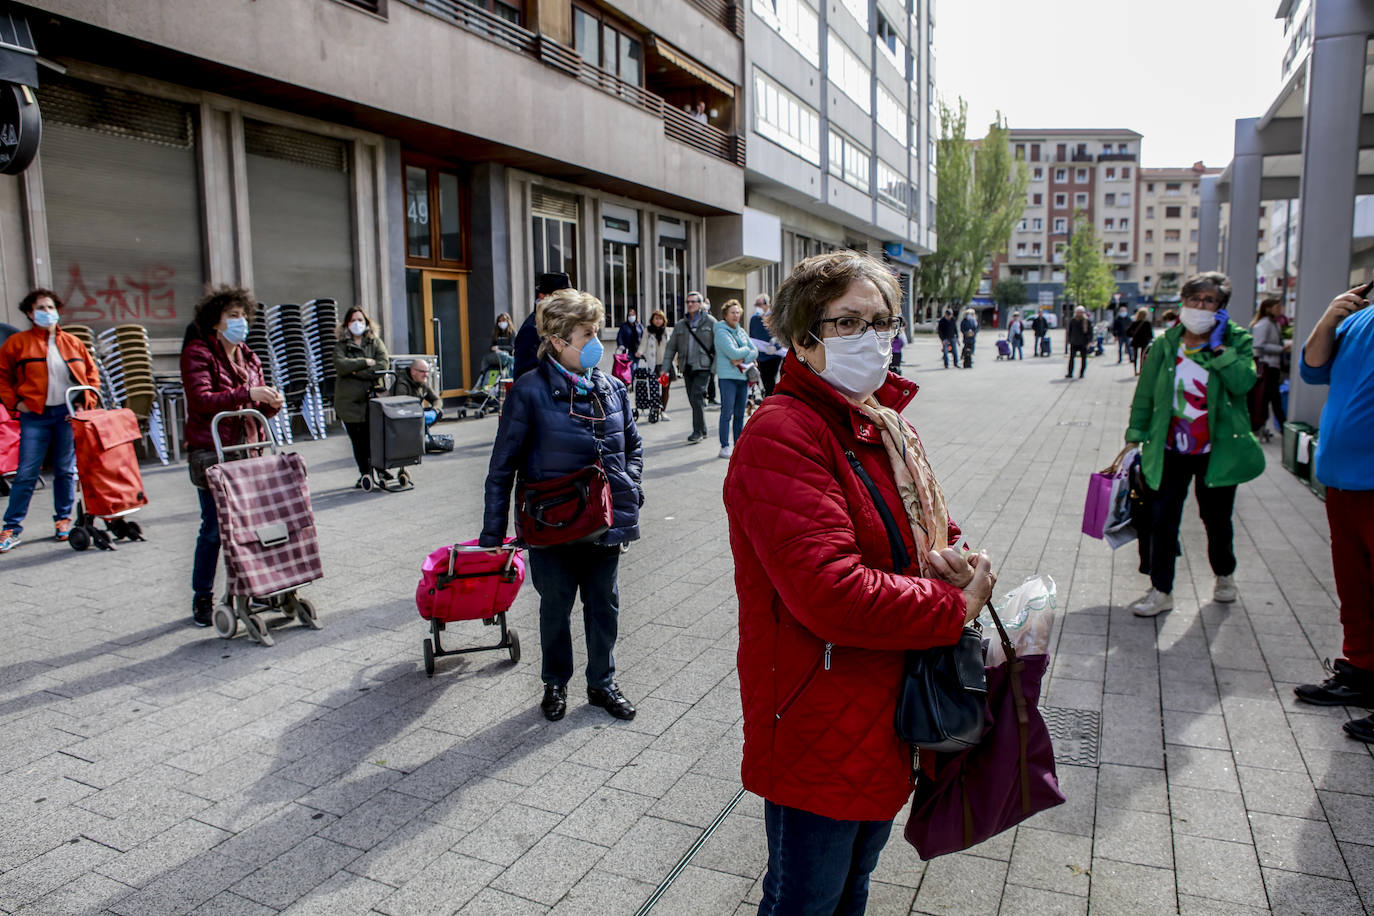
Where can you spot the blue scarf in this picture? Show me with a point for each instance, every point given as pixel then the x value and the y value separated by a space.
pixel 581 383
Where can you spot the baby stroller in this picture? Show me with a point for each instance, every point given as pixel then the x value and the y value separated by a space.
pixel 111 486
pixel 1003 349
pixel 484 396
pixel 467 582
pixel 267 534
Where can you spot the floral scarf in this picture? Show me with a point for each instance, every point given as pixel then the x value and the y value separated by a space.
pixel 920 491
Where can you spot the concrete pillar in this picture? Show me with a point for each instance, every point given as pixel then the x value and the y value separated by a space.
pixel 1330 160
pixel 1247 171
pixel 488 283
pixel 1209 225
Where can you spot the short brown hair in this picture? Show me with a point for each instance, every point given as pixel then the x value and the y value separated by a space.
pixel 28 302
pixel 818 281
pixel 1208 281
pixel 560 313
pixel 217 299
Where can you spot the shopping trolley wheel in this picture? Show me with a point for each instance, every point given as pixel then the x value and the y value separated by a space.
pixel 368 483
pixel 429 658
pixel 101 539
pixel 305 612
pixel 514 646
pixel 79 538
pixel 481 413
pixel 133 531
pixel 226 624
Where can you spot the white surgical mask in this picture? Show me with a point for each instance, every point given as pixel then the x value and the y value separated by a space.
pixel 503 324
pixel 44 318
pixel 856 368
pixel 1199 321
pixel 357 327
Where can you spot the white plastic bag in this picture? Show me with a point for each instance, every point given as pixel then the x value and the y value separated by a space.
pixel 1027 613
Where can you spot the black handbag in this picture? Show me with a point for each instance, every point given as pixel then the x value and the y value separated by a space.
pixel 943 696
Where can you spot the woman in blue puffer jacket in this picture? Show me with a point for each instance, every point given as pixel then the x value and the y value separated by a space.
pixel 558 420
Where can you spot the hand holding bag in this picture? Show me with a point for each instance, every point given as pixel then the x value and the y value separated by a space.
pixel 944 691
pixel 1102 488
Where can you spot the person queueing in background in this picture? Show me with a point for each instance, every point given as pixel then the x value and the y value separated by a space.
pixel 1269 349
pixel 37 367
pixel 1016 336
pixel 1040 325
pixel 1080 336
pixel 769 363
pixel 503 335
pixel 527 340
pixel 1140 333
pixel 651 349
pixel 968 329
pixel 414 383
pixel 948 331
pixel 360 358
pixel 219 373
pixel 1121 327
pixel 630 334
pixel 1340 353
pixel 1191 417
pixel 693 343
pixel 561 418
pixel 734 357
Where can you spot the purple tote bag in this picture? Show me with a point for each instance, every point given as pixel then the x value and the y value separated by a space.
pixel 999 782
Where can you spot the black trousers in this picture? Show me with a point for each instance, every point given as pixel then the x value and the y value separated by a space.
pixel 1082 354
pixel 1266 398
pixel 362 445
pixel 768 372
pixel 1214 504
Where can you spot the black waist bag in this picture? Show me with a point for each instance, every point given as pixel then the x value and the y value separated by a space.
pixel 944 690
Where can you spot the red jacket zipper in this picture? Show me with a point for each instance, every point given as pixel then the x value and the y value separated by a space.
pixel 806 681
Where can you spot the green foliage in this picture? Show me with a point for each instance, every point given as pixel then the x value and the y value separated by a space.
pixel 981 192
pixel 1009 292
pixel 1090 281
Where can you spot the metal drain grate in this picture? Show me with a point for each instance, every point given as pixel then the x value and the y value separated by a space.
pixel 1075 734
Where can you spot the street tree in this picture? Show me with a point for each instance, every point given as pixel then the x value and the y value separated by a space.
pixel 1089 281
pixel 1009 292
pixel 982 192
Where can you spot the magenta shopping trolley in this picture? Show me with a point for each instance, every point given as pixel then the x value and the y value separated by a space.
pixel 467 582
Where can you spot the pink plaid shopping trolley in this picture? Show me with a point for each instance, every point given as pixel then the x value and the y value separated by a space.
pixel 267 533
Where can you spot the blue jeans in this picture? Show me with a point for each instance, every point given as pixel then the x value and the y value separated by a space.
pixel 818 865
pixel 207 547
pixel 38 432
pixel 1017 347
pixel 733 394
pixel 949 350
pixel 559 573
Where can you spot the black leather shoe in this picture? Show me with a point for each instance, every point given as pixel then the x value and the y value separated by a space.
pixel 555 703
pixel 611 700
pixel 1361 729
pixel 202 610
pixel 1347 686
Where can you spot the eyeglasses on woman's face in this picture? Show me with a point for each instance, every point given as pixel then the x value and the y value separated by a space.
pixel 851 327
pixel 1209 301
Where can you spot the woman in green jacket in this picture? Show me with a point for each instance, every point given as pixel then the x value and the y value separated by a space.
pixel 359 358
pixel 1191 417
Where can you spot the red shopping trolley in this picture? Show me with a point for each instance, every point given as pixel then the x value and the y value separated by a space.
pixel 467 582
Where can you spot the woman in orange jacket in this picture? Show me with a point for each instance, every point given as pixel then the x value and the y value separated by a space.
pixel 37 367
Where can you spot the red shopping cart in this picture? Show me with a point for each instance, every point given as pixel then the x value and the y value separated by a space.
pixel 467 582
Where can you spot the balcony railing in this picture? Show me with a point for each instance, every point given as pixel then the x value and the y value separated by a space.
pixel 1116 157
pixel 726 12
pixel 677 125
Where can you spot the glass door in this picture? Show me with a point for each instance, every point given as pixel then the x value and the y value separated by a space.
pixel 438 306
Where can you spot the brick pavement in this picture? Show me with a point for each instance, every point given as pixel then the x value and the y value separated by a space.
pixel 148 767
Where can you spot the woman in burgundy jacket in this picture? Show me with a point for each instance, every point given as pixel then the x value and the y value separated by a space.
pixel 218 373
pixel 825 614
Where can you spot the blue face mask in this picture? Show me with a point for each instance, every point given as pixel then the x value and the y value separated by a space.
pixel 236 330
pixel 45 319
pixel 591 354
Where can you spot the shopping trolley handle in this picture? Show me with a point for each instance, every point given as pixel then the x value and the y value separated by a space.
pixel 71 406
pixel 511 549
pixel 221 449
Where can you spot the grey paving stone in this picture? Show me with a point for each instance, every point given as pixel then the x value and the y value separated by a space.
pixel 1351 816
pixel 294 873
pixel 168 849
pixel 473 802
pixel 898 865
pixel 1030 901
pixel 51 870
pixel 1123 888
pixel 1297 844
pixel 375 819
pixel 1131 731
pixel 1336 771
pixel 445 885
pixel 650 848
pixel 227 903
pixel 961 885
pixel 550 869
pixel 407 852
pixel 698 890
pixel 1076 815
pixel 1204 906
pixel 611 748
pixel 1195 730
pixel 509 833
pixel 267 797
pixel 696 800
pixel 1132 788
pixel 1219 870
pixel 1201 768
pixel 1360 861
pixel 651 773
pixel 601 892
pixel 1051 861
pixel 1291 893
pixel 90 893
pixel 1209 813
pixel 565 787
pixel 494 903
pixel 1137 837
pixel 344 893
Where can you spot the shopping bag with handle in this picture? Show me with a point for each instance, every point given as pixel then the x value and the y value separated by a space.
pixel 1103 488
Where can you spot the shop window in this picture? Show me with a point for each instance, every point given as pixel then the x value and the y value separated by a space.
pixel 674 276
pixel 620 264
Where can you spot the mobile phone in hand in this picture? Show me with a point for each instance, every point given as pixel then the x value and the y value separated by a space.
pixel 1363 291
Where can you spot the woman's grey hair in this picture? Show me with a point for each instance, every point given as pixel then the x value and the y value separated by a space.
pixel 1211 281
pixel 560 313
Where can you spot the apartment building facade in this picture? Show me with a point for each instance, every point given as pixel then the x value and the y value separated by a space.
pixel 1093 171
pixel 422 158
pixel 840 149
pixel 1170 226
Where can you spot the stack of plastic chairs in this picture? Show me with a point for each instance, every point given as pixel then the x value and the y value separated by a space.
pixel 258 343
pixel 127 361
pixel 321 323
pixel 87 338
pixel 296 371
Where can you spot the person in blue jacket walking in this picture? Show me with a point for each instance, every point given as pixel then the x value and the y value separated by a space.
pixel 735 356
pixel 559 418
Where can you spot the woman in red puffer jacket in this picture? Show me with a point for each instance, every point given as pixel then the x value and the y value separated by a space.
pixel 825 614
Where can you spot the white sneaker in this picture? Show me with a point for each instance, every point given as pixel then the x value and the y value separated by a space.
pixel 1153 604
pixel 663 415
pixel 727 451
pixel 1225 591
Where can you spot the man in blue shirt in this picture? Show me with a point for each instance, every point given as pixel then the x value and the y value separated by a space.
pixel 1340 353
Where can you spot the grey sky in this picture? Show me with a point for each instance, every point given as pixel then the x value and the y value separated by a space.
pixel 1178 71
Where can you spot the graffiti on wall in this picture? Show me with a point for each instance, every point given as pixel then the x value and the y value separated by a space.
pixel 119 298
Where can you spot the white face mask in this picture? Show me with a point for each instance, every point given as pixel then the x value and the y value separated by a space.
pixel 357 327
pixel 1199 321
pixel 503 324
pixel 856 368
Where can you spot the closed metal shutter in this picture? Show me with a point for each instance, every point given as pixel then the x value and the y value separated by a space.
pixel 551 203
pixel 122 194
pixel 300 206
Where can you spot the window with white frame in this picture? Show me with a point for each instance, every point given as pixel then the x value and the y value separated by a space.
pixel 785 119
pixel 1020 249
pixel 891 114
pixel 1109 224
pixel 1061 201
pixel 890 43
pixel 1124 223
pixel 1036 249
pixel 1061 175
pixel 1037 174
pixel 1125 173
pixel 859 10
pixel 1121 247
pixel 892 186
pixel 1080 199
pixel 1037 224
pixel 1060 224
pixel 796 21
pixel 1124 199
pixel 848 160
pixel 1080 176
pixel 847 72
pixel 1110 175
pixel 1021 226
pixel 1109 200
